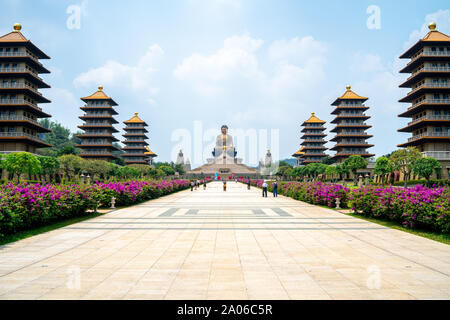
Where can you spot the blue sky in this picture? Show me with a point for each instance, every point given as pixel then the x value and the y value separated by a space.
pixel 252 64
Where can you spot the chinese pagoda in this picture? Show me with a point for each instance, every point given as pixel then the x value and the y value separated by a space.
pixel 350 126
pixel 313 140
pixel 429 80
pixel 19 94
pixel 135 144
pixel 97 139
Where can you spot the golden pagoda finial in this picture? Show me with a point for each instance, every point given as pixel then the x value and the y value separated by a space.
pixel 432 26
pixel 100 88
pixel 17 27
pixel 136 114
pixel 348 87
pixel 313 113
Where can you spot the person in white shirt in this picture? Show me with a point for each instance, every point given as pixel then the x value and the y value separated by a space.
pixel 264 187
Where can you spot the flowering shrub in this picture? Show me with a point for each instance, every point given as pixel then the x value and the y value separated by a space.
pixel 412 207
pixel 316 192
pixel 24 206
pixel 311 192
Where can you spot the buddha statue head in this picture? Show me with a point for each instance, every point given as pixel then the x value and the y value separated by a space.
pixel 224 129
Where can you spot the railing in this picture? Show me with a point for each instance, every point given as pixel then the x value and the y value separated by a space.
pixel 102 105
pixel 105 115
pixel 134 140
pixel 343 152
pixel 315 141
pixel 438 155
pixel 17 101
pixel 96 134
pixel 19 85
pixel 344 124
pixel 20 134
pixel 3 118
pixel 429 85
pixel 346 114
pixel 18 54
pixel 353 143
pixel 430 134
pixel 444 69
pixel 19 69
pixel 96 143
pixel 430 117
pixel 106 152
pixel 427 53
pixel 362 133
pixel 431 101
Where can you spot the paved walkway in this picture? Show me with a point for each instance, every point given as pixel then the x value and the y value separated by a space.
pixel 225 245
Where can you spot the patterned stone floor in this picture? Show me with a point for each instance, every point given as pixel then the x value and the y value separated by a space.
pixel 210 244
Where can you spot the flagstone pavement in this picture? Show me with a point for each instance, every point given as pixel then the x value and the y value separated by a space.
pixel 211 244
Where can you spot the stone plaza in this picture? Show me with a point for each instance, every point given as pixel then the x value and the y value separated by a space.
pixel 211 244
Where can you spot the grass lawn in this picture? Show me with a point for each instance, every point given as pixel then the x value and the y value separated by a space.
pixel 56 225
pixel 436 236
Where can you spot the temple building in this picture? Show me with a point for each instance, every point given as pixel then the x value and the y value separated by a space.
pixel 149 156
pixel 429 80
pixel 299 156
pixel 225 164
pixel 350 127
pixel 135 144
pixel 313 140
pixel 19 94
pixel 98 137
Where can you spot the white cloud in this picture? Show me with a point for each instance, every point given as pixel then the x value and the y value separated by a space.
pixel 208 73
pixel 367 63
pixel 294 67
pixel 442 19
pixel 137 77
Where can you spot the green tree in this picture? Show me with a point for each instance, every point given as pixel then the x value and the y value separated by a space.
pixel 315 169
pixel 168 170
pixel 328 160
pixel 128 172
pixel 180 168
pixel 21 162
pixel 331 171
pixel 97 168
pixel 355 163
pixel 142 168
pixel 71 165
pixel 49 165
pixel 424 167
pixel 403 160
pixel 383 166
pixel 342 170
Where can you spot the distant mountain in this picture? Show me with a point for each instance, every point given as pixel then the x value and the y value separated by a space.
pixel 291 161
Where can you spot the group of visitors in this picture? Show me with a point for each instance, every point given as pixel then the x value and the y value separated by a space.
pixel 197 183
pixel 264 189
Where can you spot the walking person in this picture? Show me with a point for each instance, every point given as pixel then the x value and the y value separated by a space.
pixel 275 189
pixel 224 186
pixel 248 184
pixel 264 189
pixel 192 185
pixel 204 184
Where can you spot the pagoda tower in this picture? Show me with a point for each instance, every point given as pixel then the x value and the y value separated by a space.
pixel 313 140
pixel 135 144
pixel 97 139
pixel 429 80
pixel 299 156
pixel 19 94
pixel 350 126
